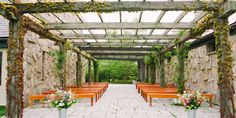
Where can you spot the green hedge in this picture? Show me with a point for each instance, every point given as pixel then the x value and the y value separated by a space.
pixel 2 110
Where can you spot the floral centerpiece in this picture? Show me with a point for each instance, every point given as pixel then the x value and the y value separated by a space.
pixel 192 100
pixel 61 100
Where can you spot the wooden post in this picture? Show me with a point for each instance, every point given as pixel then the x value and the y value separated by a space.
pixel 162 71
pixel 62 72
pixel 142 71
pixel 89 71
pixel 15 84
pixel 95 71
pixel 147 74
pixel 225 72
pixel 180 68
pixel 153 73
pixel 139 71
pixel 79 70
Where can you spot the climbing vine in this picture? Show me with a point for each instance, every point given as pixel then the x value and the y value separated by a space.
pixel 225 64
pixel 8 11
pixel 60 56
pixel 150 61
pixel 15 83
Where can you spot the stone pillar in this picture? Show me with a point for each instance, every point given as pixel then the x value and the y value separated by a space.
pixel 15 84
pixel 79 70
pixel 225 64
pixel 180 68
pixel 89 71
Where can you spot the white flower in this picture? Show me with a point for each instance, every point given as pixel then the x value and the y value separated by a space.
pixel 61 104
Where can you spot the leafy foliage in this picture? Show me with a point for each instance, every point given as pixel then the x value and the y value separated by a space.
pixel 118 71
pixel 2 110
pixel 60 57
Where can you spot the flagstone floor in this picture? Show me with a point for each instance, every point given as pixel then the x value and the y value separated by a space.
pixel 122 101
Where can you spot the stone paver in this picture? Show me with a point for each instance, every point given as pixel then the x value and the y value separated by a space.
pixel 122 101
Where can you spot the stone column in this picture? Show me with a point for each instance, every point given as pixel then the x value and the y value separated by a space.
pixel 79 70
pixel 15 72
pixel 225 64
pixel 89 71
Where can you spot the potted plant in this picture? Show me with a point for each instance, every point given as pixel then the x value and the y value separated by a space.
pixel 192 100
pixel 61 100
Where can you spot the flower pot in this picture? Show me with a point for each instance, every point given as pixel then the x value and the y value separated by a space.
pixel 192 113
pixel 62 113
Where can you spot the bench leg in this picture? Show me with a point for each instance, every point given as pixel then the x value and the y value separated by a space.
pixel 210 102
pixel 91 101
pixel 42 102
pixel 31 103
pixel 96 99
pixel 150 101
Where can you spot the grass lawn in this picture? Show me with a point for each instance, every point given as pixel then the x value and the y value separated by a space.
pixel 2 110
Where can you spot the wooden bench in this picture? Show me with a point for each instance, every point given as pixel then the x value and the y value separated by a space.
pixel 96 91
pixel 169 95
pixel 33 98
pixel 146 91
pixel 84 95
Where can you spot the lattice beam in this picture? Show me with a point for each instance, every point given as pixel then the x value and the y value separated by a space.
pixel 115 6
pixel 123 25
pixel 119 37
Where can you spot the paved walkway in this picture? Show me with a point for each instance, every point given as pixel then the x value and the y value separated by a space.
pixel 122 101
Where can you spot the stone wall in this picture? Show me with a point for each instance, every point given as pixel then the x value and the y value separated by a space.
pixel 201 70
pixel 39 71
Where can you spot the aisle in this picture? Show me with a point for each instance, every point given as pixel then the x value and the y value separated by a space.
pixel 121 101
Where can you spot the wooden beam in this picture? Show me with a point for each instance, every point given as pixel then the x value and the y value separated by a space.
pixel 123 25
pixel 85 54
pixel 115 6
pixel 116 52
pixel 119 37
pixel 8 11
pixel 229 8
pixel 40 30
pixel 120 54
pixel 119 44
pixel 204 24
pixel 115 49
pixel 128 58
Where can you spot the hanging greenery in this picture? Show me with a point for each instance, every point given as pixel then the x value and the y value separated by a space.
pixel 150 61
pixel 60 56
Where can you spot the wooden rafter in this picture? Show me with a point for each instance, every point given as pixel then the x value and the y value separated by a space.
pixel 123 25
pixel 119 44
pixel 115 6
pixel 121 37
pixel 115 49
pixel 134 58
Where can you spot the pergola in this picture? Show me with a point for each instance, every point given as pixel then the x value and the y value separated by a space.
pixel 104 30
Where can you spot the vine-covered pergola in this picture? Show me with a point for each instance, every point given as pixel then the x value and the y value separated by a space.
pixel 34 15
